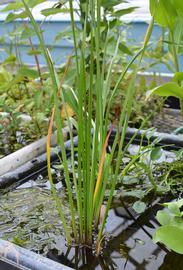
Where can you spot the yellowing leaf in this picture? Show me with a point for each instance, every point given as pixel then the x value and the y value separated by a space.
pixel 69 110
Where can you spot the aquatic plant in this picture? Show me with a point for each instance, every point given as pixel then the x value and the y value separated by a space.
pixel 171 229
pixel 94 174
pixel 169 14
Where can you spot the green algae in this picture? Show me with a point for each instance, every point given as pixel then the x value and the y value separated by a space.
pixel 29 218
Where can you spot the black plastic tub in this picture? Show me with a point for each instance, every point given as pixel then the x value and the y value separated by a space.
pixel 13 257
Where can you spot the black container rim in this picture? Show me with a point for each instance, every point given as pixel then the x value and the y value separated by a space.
pixel 38 165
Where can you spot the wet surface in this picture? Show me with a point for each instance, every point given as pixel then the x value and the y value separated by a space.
pixel 28 218
pixel 5 266
pixel 132 249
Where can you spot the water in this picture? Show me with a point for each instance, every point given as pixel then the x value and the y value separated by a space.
pixel 129 248
pixel 8 266
pixel 28 218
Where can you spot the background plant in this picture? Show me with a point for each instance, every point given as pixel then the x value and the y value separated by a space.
pixel 173 88
pixel 170 231
pixel 169 14
pixel 22 106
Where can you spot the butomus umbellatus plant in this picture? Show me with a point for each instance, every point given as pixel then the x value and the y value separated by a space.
pixel 94 178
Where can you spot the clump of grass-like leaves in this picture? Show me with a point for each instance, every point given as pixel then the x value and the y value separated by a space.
pixel 95 172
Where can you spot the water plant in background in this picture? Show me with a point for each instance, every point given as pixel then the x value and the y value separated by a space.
pixel 169 14
pixel 169 175
pixel 23 111
pixel 174 88
pixel 170 232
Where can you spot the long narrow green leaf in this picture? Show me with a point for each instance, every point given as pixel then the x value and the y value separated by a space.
pixel 59 121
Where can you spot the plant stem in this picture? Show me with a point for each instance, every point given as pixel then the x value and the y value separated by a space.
pixel 151 177
pixel 37 62
pixel 176 61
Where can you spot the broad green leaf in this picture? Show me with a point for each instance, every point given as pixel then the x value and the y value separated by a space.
pixel 174 209
pixel 178 36
pixel 13 16
pixel 156 153
pixel 33 3
pixel 66 34
pixel 11 59
pixel 5 76
pixel 19 5
pixel 22 73
pixel 139 207
pixel 171 236
pixel 163 217
pixel 177 221
pixel 27 72
pixel 167 89
pixel 123 12
pixel 111 48
pixel 108 4
pixel 164 12
pixel 124 49
pixel 52 11
pixel 130 180
pixel 179 6
pixel 28 32
pixel 13 6
pixel 179 203
pixel 138 193
pixel 178 77
pixel 17 79
pixel 113 23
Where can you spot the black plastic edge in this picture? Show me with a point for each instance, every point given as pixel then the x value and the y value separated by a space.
pixel 38 165
pixel 169 141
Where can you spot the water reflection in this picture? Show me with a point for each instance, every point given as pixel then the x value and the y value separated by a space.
pixel 172 261
pixel 130 248
pixel 29 212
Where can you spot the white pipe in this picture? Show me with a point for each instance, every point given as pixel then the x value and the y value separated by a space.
pixel 27 153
